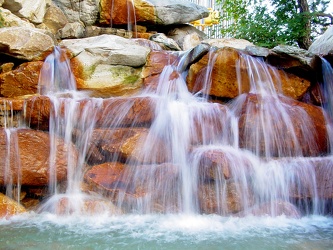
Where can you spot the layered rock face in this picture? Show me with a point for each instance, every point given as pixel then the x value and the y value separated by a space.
pixel 224 127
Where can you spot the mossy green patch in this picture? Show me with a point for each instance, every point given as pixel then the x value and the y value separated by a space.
pixel 131 79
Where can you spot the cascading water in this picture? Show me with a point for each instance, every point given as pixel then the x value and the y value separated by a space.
pixel 195 168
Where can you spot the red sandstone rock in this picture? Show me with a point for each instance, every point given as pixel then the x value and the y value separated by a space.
pixel 21 81
pixel 26 158
pixel 127 185
pixel 9 207
pixel 126 144
pixel 134 111
pixel 224 198
pixel 299 129
pixel 225 82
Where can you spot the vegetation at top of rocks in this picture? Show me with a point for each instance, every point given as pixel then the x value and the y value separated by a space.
pixel 269 23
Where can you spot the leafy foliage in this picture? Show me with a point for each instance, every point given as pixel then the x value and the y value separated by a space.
pixel 272 22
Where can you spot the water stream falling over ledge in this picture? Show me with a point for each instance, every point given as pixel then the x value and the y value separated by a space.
pixel 182 164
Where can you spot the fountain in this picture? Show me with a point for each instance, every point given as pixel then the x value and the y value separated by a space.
pixel 168 167
pixel 195 163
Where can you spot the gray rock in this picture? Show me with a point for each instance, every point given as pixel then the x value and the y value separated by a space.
pixel 324 44
pixel 80 11
pixel 178 11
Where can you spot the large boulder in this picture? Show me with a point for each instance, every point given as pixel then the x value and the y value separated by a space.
pixel 107 65
pixel 137 111
pixel 155 187
pixel 9 207
pixel 22 165
pixel 228 72
pixel 11 20
pixel 21 81
pixel 276 127
pixel 54 19
pixel 127 144
pixel 324 44
pixel 32 10
pixel 29 44
pixel 79 11
pixel 164 12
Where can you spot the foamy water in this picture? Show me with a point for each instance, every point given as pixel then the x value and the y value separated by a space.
pixel 180 231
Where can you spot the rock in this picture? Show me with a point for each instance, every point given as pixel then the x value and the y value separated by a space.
pixel 192 56
pixel 224 198
pixel 230 70
pixel 25 43
pixel 324 44
pixel 190 41
pixel 155 187
pixel 156 61
pixel 165 42
pixel 292 128
pixel 127 144
pixel 150 12
pixel 218 164
pixel 140 111
pixel 293 60
pixel 31 168
pixel 80 11
pixel 313 175
pixel 107 49
pixel 11 20
pixel 9 207
pixel 84 205
pixel 107 64
pixel 33 10
pixel 21 81
pixel 239 44
pixel 148 43
pixel 223 75
pixel 54 19
pixel 186 36
pixel 72 30
pixel 257 51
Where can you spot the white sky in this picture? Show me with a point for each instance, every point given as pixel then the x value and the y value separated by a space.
pixel 330 7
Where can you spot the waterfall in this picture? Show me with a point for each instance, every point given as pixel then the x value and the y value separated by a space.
pixel 56 75
pixel 183 153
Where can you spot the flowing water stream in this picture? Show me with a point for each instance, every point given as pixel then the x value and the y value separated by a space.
pixel 183 199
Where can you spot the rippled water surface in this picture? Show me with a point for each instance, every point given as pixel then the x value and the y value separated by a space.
pixel 48 231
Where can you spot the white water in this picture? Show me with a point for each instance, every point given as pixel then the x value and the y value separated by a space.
pixel 165 232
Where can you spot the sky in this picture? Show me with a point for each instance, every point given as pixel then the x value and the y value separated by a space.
pixel 330 7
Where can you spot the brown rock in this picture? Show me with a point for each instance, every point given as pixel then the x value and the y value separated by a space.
pixel 154 185
pixel 85 205
pixel 119 11
pixel 219 165
pixel 21 81
pixel 9 207
pixel 127 144
pixel 137 111
pixel 156 61
pixel 225 81
pixel 224 198
pixel 21 162
pixel 292 128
